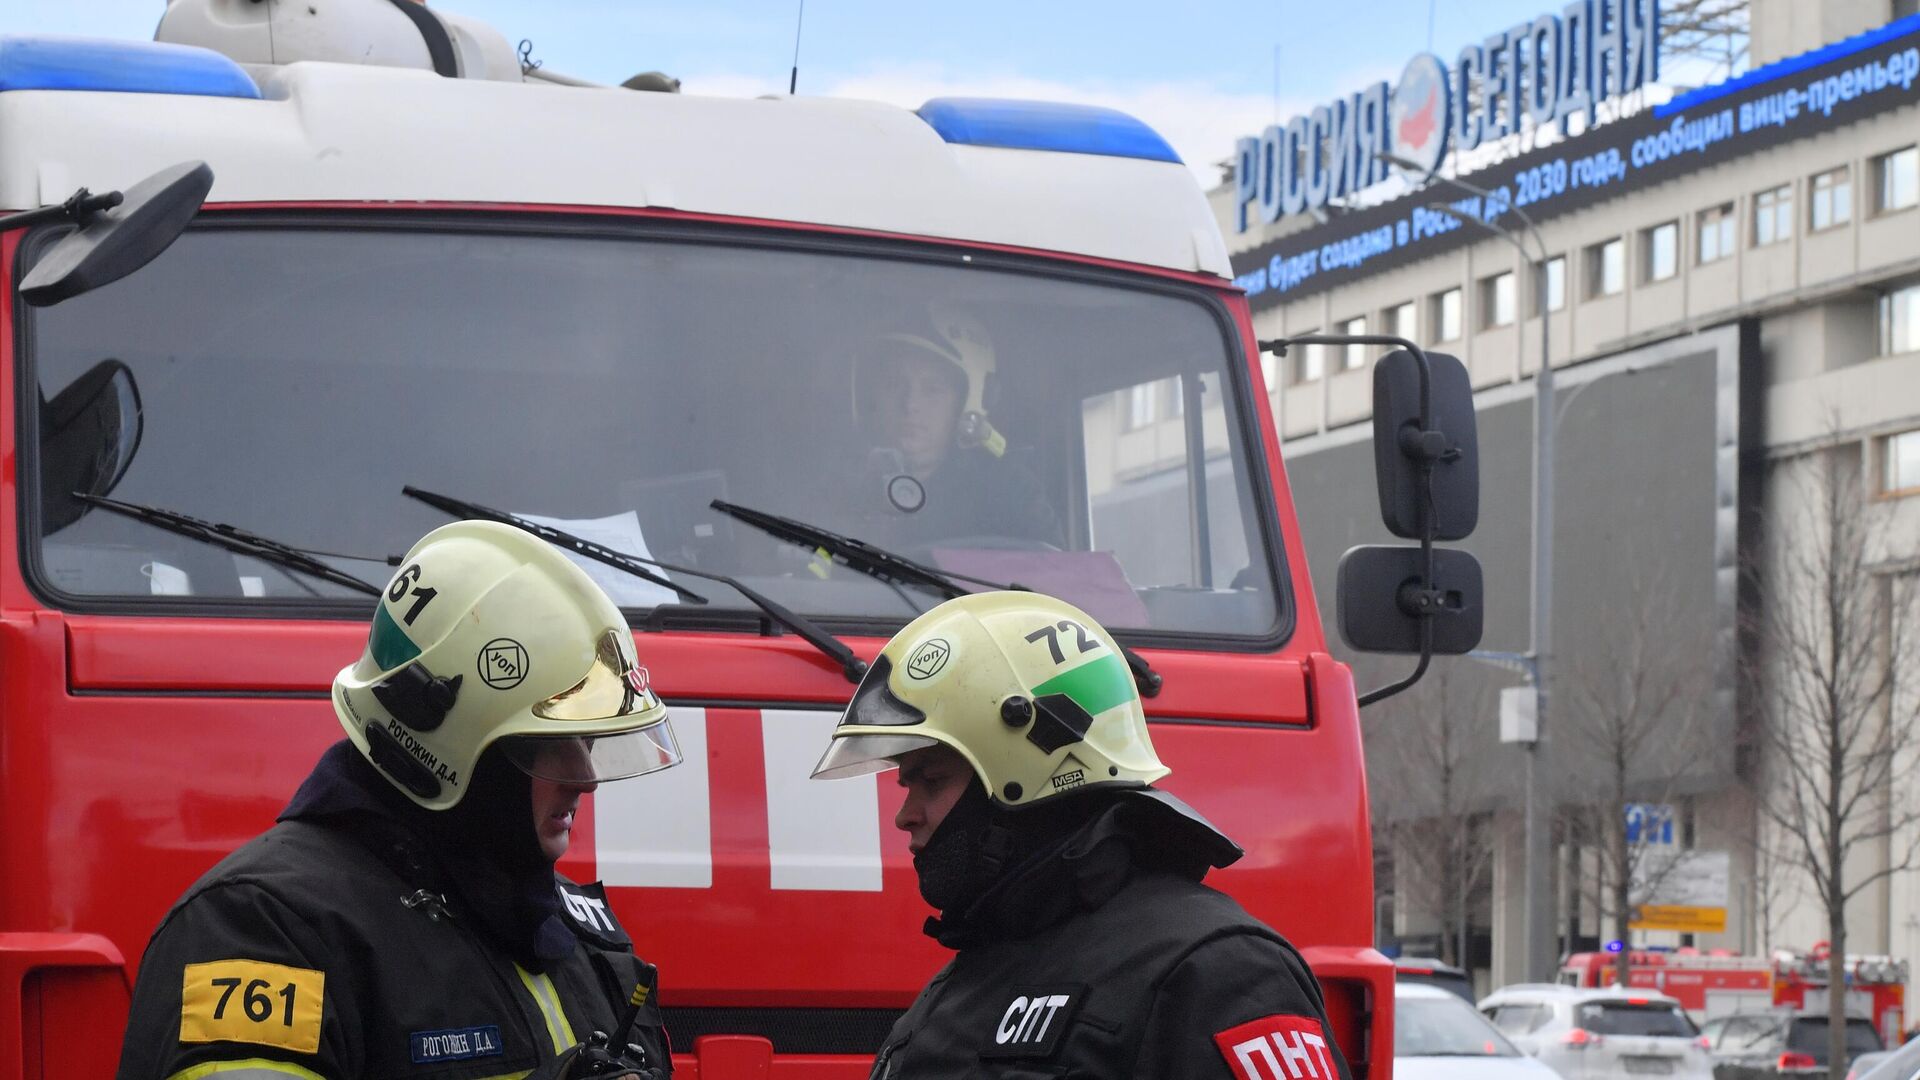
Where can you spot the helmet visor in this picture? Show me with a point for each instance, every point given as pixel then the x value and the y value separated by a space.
pixel 858 755
pixel 874 704
pixel 594 759
pixel 614 685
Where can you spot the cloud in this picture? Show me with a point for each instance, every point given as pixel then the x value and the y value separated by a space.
pixel 1200 121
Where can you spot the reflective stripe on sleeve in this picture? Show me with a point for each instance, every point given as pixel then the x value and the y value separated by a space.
pixel 548 999
pixel 248 1069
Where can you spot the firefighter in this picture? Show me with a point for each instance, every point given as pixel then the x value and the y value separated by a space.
pixel 921 394
pixel 1068 886
pixel 404 916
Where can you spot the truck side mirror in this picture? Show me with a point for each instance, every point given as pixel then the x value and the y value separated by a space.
pixel 1426 449
pixel 1448 443
pixel 117 234
pixel 1385 599
pixel 89 433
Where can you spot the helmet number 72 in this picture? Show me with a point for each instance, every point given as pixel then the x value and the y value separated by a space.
pixel 1052 634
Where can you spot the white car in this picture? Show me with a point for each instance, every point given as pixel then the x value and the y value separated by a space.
pixel 1609 1034
pixel 1438 1036
pixel 1900 1064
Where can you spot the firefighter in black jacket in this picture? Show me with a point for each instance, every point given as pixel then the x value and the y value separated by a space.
pixel 404 917
pixel 1068 887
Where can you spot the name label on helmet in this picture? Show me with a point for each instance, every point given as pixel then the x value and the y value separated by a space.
pixel 1034 1022
pixel 592 917
pixel 421 754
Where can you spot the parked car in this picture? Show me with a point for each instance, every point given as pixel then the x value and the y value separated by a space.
pixel 1779 1042
pixel 1901 1064
pixel 1437 1036
pixel 1422 971
pixel 1600 1034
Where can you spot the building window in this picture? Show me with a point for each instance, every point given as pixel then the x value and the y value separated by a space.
pixel 1773 215
pixel 1309 361
pixel 1496 300
pixel 1444 309
pixel 1398 320
pixel 1900 464
pixel 1662 246
pixel 1896 180
pixel 1353 356
pixel 1607 268
pixel 1551 294
pixel 1139 406
pixel 1715 241
pixel 1830 199
pixel 1900 321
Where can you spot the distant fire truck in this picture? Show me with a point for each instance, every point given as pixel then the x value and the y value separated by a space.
pixel 1710 985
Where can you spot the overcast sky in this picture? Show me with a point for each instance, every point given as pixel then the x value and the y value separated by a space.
pixel 1202 72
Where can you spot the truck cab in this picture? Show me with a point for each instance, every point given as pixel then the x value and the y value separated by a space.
pixel 656 321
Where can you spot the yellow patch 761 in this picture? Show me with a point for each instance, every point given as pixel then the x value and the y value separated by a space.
pixel 251 1001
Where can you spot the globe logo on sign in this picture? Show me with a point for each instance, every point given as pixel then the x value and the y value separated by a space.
pixel 1420 117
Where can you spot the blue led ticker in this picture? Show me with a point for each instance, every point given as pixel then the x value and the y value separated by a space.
pixel 1044 125
pixel 51 62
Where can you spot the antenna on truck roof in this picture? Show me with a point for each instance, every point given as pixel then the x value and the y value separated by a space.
pixel 793 80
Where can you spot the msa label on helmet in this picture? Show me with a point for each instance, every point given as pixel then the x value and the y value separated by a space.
pixel 1277 1047
pixel 928 659
pixel 1034 1021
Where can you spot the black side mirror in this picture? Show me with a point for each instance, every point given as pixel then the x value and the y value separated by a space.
pixel 89 433
pixel 1424 599
pixel 1445 444
pixel 118 234
pixel 1385 598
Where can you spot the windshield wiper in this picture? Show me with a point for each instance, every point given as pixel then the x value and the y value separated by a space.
pixel 872 561
pixel 878 562
pixel 851 665
pixel 233 539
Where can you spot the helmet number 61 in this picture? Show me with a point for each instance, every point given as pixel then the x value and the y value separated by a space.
pixel 410 579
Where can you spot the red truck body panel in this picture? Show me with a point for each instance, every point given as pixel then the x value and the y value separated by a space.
pixel 136 751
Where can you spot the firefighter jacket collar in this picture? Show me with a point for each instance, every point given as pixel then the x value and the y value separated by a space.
pixel 514 900
pixel 1145 829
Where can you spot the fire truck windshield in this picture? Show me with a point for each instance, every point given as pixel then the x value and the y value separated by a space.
pixel 1084 433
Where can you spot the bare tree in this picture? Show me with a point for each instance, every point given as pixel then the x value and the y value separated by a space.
pixel 1837 718
pixel 1638 715
pixel 1776 887
pixel 1427 755
pixel 1711 30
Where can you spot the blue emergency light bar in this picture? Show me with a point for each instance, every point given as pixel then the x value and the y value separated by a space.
pixel 50 62
pixel 1044 125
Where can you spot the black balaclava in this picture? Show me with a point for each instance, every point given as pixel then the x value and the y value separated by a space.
pixel 484 850
pixel 979 843
pixel 965 854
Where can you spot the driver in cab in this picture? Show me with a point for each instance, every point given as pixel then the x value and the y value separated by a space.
pixel 937 470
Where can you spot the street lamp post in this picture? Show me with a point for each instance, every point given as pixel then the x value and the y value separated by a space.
pixel 1540 953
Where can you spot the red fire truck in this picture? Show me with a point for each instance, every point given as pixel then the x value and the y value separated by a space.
pixel 637 317
pixel 1713 984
